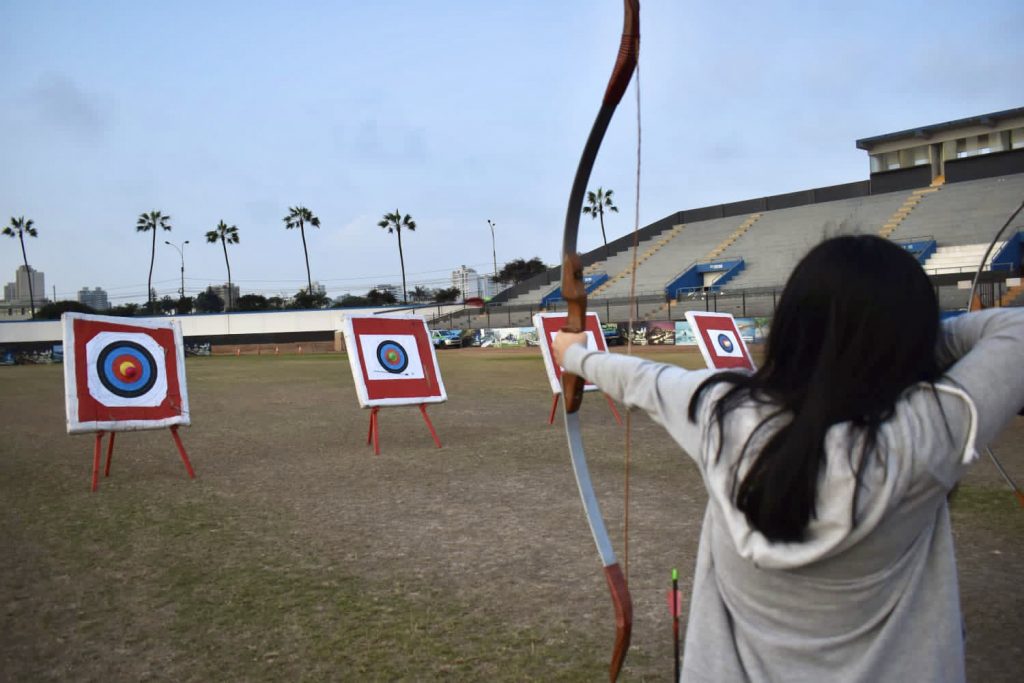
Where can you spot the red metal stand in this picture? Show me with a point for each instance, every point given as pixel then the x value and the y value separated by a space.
pixel 110 452
pixel 181 451
pixel 611 405
pixel 430 425
pixel 96 461
pixel 373 435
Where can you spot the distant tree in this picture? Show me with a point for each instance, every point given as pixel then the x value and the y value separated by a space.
pixel 54 310
pixel 253 302
pixel 152 221
pixel 444 296
pixel 378 297
pixel 125 310
pixel 168 305
pixel 276 303
pixel 299 217
pixel 394 223
pixel 225 234
pixel 420 293
pixel 351 301
pixel 519 270
pixel 20 227
pixel 304 300
pixel 185 305
pixel 597 203
pixel 209 302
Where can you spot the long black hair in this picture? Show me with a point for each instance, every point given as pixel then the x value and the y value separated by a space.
pixel 856 325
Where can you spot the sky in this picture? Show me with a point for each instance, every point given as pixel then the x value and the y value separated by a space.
pixel 453 112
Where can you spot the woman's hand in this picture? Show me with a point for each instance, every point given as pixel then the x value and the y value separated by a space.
pixel 562 341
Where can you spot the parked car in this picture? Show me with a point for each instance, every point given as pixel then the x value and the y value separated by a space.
pixel 611 334
pixel 447 339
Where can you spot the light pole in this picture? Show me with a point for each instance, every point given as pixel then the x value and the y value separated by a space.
pixel 494 251
pixel 181 252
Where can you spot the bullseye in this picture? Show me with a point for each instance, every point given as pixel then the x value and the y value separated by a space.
pixel 126 369
pixel 392 356
pixel 725 343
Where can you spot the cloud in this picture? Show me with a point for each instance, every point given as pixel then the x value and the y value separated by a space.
pixel 61 103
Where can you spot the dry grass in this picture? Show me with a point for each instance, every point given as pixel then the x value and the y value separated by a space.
pixel 298 555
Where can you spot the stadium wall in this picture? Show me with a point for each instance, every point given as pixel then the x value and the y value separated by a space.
pixel 985 166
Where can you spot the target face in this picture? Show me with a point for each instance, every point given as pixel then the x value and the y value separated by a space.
pixel 392 356
pixel 719 340
pixel 123 376
pixel 392 360
pixel 725 343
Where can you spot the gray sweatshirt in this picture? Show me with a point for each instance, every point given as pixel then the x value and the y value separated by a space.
pixel 872 601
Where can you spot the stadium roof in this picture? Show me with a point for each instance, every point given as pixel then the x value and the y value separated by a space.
pixel 925 132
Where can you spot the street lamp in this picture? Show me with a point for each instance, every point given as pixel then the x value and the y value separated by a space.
pixel 494 251
pixel 181 252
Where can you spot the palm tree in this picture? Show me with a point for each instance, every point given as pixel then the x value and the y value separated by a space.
pixel 20 227
pixel 394 222
pixel 597 203
pixel 151 222
pixel 298 217
pixel 225 234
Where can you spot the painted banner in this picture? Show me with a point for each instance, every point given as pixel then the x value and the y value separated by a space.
pixel 548 325
pixel 123 375
pixel 392 360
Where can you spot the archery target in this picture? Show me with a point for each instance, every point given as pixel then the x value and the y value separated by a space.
pixel 392 360
pixel 123 374
pixel 391 357
pixel 719 340
pixel 126 369
pixel 548 325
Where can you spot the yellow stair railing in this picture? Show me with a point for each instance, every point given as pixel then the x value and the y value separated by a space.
pixel 651 251
pixel 909 204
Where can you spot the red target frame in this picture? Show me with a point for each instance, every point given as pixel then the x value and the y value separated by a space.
pixel 703 324
pixel 382 390
pixel 87 412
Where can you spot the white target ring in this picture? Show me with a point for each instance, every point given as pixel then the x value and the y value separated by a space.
pixel 150 374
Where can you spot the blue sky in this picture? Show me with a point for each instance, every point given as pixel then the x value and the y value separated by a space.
pixel 454 112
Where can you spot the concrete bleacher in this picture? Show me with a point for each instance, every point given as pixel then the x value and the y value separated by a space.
pixel 782 237
pixel 961 217
pixel 964 213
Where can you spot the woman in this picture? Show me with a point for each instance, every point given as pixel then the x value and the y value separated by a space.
pixel 826 551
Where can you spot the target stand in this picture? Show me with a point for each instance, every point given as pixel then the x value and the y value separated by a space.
pixel 393 363
pixel 110 452
pixel 123 376
pixel 373 436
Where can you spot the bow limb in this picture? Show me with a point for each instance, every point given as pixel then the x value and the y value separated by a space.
pixel 971 304
pixel 574 293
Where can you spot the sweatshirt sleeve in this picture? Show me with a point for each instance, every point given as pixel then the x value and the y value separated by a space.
pixel 662 391
pixel 986 350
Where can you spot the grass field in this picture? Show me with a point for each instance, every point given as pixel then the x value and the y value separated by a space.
pixel 296 554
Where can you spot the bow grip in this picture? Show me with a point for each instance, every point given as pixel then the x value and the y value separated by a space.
pixel 575 294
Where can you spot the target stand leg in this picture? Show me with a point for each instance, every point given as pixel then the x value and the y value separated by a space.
pixel 96 461
pixel 374 434
pixel 430 426
pixel 615 412
pixel 110 452
pixel 181 451
pixel 554 407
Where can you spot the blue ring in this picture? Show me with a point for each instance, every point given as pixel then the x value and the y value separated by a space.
pixel 725 342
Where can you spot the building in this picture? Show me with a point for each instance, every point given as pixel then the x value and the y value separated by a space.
pixel 95 298
pixel 319 288
pixel 221 291
pixel 471 284
pixel 965 149
pixel 17 293
pixel 394 290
